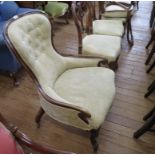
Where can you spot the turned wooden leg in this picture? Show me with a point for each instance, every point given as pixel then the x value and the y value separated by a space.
pixel 150 41
pixel 39 116
pixel 146 127
pixel 150 55
pixel 150 91
pixel 149 114
pixel 15 79
pixel 151 85
pixel 151 67
pixel 129 33
pixel 94 134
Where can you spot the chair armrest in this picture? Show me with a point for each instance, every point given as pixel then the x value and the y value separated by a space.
pixel 83 114
pixel 85 61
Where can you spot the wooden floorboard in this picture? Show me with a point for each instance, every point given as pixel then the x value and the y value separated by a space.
pixel 20 104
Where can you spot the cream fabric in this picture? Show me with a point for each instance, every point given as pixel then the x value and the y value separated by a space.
pixel 120 19
pixel 115 11
pixel 108 27
pixel 31 36
pixel 105 46
pixel 90 87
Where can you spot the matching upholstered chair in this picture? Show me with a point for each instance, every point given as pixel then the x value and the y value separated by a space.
pixel 11 138
pixel 106 46
pixel 103 26
pixel 57 9
pixel 72 90
pixel 118 11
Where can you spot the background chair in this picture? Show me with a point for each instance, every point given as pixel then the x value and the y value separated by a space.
pixel 12 137
pixel 8 62
pixel 105 27
pixel 106 46
pixel 85 104
pixel 57 9
pixel 118 11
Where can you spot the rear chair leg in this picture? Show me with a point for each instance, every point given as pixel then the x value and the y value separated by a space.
pixel 146 127
pixel 94 134
pixel 39 116
pixel 149 114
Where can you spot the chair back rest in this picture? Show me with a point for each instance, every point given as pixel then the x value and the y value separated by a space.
pixel 29 37
pixel 82 16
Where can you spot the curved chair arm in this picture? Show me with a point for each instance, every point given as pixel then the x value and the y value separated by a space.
pixel 86 61
pixel 23 139
pixel 82 113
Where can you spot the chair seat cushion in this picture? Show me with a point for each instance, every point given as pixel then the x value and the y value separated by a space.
pixel 105 46
pixel 56 9
pixel 116 11
pixel 111 18
pixel 108 27
pixel 91 88
pixel 8 145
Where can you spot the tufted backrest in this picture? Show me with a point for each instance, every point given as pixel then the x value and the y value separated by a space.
pixel 31 37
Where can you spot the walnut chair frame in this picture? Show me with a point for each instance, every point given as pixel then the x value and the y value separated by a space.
pixel 26 141
pixel 81 10
pixel 127 23
pixel 82 114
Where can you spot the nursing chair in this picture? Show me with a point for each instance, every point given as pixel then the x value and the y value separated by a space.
pixel 12 140
pixel 112 10
pixel 106 46
pixel 72 90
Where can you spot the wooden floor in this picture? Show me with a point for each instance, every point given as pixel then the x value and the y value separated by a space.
pixel 20 105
